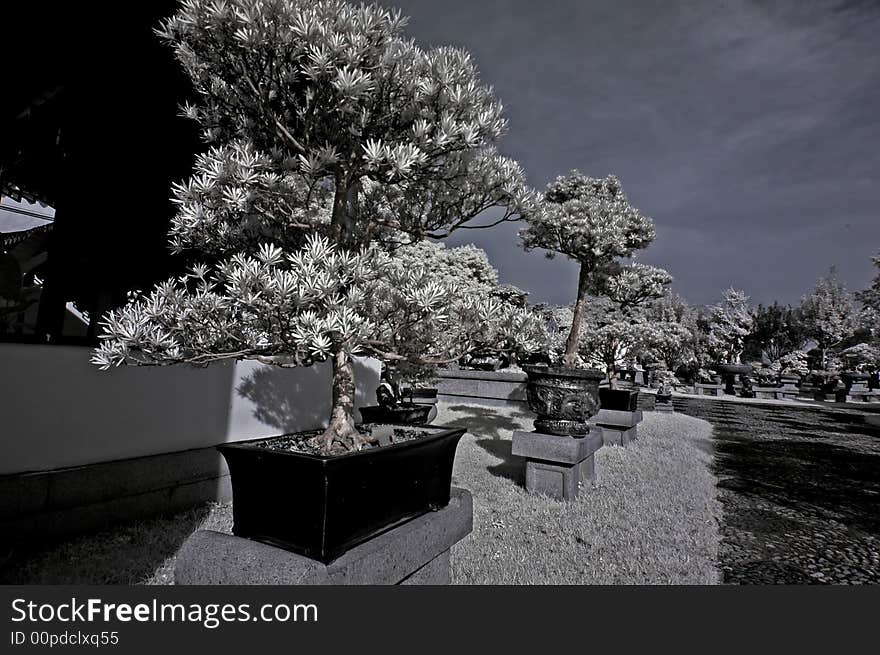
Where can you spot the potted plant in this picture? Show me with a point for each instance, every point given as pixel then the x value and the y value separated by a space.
pixel 319 174
pixel 590 221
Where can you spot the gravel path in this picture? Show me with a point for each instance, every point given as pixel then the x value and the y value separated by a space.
pixel 800 490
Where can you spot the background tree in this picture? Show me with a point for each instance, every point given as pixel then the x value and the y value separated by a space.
pixel 675 336
pixel 325 122
pixel 870 297
pixel 617 329
pixel 777 331
pixel 828 314
pixel 729 323
pixel 592 222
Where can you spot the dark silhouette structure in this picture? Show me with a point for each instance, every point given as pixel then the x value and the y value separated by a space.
pixel 90 124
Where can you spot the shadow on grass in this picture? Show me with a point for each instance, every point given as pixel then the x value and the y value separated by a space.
pixel 489 426
pixel 512 467
pixel 124 553
pixel 487 421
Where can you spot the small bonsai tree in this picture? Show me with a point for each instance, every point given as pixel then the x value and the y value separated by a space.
pixel 335 140
pixel 592 222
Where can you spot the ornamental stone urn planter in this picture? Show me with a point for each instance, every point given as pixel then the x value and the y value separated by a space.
pixel 563 398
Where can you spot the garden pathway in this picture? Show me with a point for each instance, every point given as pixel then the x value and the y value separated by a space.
pixel 800 489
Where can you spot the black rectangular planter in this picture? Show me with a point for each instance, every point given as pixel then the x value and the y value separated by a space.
pixel 321 506
pixel 623 400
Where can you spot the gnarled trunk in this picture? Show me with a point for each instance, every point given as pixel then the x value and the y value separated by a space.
pixel 341 434
pixel 569 359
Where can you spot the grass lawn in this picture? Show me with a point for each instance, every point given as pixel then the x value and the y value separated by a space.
pixel 650 518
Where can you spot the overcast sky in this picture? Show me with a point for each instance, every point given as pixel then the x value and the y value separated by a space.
pixel 748 130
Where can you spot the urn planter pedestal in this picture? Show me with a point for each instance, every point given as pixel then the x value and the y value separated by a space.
pixel 619 428
pixel 557 464
pixel 664 403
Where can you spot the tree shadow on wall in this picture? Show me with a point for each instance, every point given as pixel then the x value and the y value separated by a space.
pixel 294 399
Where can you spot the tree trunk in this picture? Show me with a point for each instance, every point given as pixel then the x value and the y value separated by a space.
pixel 344 220
pixel 341 433
pixel 612 376
pixel 569 359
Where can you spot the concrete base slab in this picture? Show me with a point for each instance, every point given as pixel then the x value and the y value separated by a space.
pixel 416 552
pixel 616 437
pixel 616 418
pixel 556 465
pixel 665 407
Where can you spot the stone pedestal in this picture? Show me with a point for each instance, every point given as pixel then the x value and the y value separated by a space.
pixel 709 389
pixel 618 428
pixel 555 465
pixel 664 403
pixel 647 400
pixel 416 552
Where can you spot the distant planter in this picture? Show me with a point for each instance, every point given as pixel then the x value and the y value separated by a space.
pixel 730 371
pixel 563 398
pixel 406 413
pixel 321 506
pixel 624 400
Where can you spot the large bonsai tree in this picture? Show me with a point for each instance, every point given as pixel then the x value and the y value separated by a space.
pixel 335 140
pixel 592 222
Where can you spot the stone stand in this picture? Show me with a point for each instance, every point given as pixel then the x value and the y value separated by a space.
pixel 555 465
pixel 858 392
pixel 709 389
pixel 416 552
pixel 664 404
pixel 618 428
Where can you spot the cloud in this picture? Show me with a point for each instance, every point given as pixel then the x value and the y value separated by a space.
pixel 748 130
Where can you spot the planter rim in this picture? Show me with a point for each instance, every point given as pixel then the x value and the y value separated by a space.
pixel 439 432
pixel 564 372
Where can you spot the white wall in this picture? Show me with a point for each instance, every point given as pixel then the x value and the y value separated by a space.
pixel 58 410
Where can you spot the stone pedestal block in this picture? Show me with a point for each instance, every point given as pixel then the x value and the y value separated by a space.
pixel 618 428
pixel 416 552
pixel 555 465
pixel 709 389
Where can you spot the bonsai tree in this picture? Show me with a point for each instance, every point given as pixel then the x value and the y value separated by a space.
pixel 592 222
pixel 729 323
pixel 472 316
pixel 674 336
pixel 828 315
pixel 334 141
pixel 618 329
